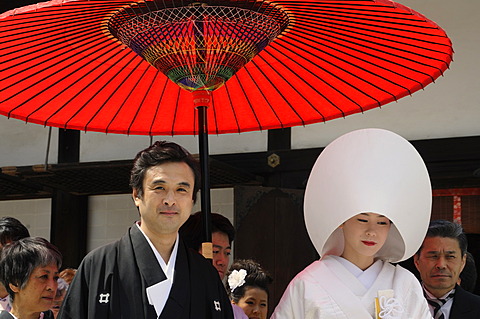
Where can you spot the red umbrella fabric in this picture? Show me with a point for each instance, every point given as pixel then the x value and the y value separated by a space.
pixel 61 66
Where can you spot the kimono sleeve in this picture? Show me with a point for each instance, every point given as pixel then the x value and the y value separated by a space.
pixel 292 303
pixel 90 292
pixel 407 284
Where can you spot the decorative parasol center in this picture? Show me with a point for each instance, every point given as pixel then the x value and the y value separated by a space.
pixel 199 46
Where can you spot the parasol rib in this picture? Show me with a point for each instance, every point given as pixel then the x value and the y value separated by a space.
pixel 78 110
pixel 345 82
pixel 45 80
pixel 279 92
pixel 175 115
pixel 122 105
pixel 157 110
pixel 315 29
pixel 251 108
pixel 271 108
pixel 377 65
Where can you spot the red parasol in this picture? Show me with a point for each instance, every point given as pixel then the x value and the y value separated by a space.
pixel 84 65
pixel 61 66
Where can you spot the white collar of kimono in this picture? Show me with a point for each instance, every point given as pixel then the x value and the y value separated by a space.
pixel 168 268
pixel 159 292
pixel 369 171
pixel 368 276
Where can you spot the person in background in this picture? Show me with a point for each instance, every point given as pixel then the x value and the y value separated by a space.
pixel 29 271
pixel 150 273
pixel 11 229
pixel 67 274
pixel 64 280
pixel 247 285
pixel 59 296
pixel 223 234
pixel 468 276
pixel 440 260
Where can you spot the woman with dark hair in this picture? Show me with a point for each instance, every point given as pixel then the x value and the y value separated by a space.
pixel 11 229
pixel 29 272
pixel 247 285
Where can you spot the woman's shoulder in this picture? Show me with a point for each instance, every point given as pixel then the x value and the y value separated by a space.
pixel 310 274
pixel 403 272
pixel 403 279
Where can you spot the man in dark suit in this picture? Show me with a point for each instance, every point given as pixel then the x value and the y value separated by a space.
pixel 150 272
pixel 440 260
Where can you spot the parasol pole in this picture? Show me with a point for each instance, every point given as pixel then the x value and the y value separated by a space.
pixel 201 101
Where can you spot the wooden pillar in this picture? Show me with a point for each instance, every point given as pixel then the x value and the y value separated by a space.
pixel 69 211
pixel 279 139
pixel 68 146
pixel 69 227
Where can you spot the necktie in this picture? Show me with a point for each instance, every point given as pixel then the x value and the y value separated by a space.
pixel 437 304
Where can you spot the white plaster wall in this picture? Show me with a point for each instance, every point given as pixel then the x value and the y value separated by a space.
pixel 100 147
pixel 33 213
pixel 108 218
pixel 23 144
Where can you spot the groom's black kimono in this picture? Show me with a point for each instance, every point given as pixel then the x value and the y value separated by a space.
pixel 111 283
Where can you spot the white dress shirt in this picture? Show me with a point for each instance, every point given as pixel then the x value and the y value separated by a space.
pixel 447 306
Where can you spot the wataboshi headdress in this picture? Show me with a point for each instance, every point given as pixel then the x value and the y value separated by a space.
pixel 369 170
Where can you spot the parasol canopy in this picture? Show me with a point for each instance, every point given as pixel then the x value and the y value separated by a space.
pixel 87 65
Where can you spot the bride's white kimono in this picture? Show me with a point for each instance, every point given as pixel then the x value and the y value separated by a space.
pixel 326 289
pixel 365 171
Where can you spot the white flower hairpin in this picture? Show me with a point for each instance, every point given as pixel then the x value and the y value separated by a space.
pixel 237 279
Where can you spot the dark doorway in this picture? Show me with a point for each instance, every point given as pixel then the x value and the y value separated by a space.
pixel 271 230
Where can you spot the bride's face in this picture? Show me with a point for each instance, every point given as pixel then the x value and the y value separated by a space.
pixel 365 234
